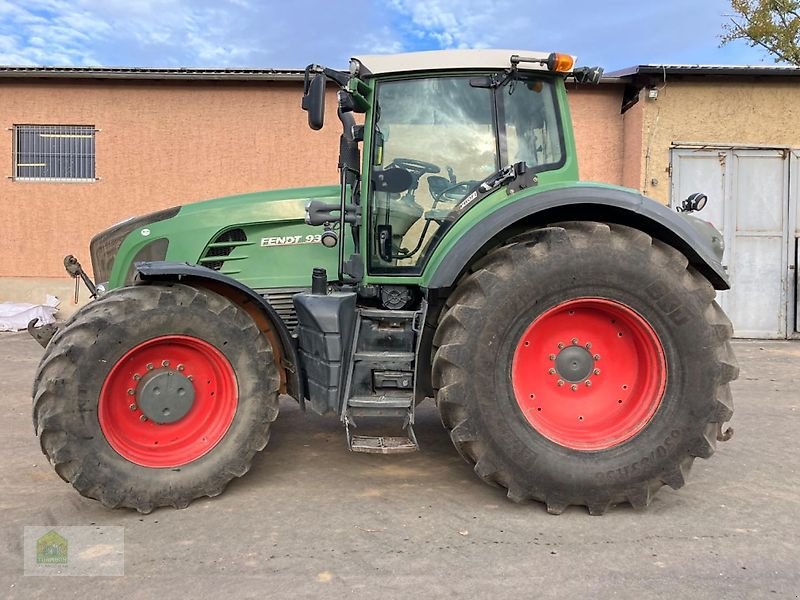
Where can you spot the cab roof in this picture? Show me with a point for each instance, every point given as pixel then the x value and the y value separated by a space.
pixel 410 62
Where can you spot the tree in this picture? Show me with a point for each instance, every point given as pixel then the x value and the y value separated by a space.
pixel 773 25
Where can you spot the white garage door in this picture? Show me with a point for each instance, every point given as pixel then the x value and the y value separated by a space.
pixel 749 201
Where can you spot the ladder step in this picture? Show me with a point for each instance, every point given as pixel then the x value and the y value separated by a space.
pixel 384 356
pixel 381 402
pixel 394 314
pixel 382 444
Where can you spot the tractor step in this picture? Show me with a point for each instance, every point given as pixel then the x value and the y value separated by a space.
pixel 380 384
pixel 382 444
pixel 385 356
pixel 381 402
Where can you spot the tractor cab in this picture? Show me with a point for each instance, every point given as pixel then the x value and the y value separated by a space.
pixel 440 133
pixel 436 141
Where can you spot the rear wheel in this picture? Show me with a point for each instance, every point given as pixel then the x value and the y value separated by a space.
pixel 154 396
pixel 583 364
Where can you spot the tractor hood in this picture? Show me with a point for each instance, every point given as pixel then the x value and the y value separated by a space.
pixel 221 233
pixel 272 205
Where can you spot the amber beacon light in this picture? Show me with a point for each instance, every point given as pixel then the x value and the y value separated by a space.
pixel 560 63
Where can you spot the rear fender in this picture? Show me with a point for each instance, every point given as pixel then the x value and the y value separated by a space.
pixel 264 315
pixel 700 242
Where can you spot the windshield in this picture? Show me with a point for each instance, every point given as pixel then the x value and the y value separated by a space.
pixel 450 135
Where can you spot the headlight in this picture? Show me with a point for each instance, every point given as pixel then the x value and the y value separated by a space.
pixel 105 245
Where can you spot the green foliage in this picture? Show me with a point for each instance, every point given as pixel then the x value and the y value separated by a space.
pixel 773 25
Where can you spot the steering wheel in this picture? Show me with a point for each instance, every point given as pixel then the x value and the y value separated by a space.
pixel 417 168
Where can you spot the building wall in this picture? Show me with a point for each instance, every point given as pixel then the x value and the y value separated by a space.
pixel 599 131
pixel 755 112
pixel 633 142
pixel 161 144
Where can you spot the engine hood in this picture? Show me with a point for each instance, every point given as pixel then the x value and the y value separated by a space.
pixel 277 216
pixel 272 205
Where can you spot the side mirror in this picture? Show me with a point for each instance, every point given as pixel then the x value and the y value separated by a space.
pixel 694 203
pixel 591 75
pixel 314 101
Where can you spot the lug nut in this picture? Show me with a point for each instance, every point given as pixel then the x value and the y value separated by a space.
pixel 132 407
pixel 142 418
pixel 575 341
pixel 190 378
pixel 560 345
pixel 552 357
pixel 131 392
pixel 588 345
pixel 596 357
pixel 164 363
pixel 149 366
pixel 560 382
pixel 596 371
pixel 136 377
pixel 552 371
pixel 574 387
pixel 587 383
pixel 180 367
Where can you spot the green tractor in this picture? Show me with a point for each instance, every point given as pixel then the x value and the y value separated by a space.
pixel 566 330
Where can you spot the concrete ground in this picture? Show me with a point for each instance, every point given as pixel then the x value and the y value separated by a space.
pixel 312 520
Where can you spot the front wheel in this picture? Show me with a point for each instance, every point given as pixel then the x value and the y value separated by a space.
pixel 584 364
pixel 154 396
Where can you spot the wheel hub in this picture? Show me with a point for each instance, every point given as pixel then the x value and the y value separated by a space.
pixel 168 401
pixel 572 397
pixel 574 364
pixel 165 396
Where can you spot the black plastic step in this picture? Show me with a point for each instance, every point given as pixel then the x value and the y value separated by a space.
pixel 392 314
pixel 384 356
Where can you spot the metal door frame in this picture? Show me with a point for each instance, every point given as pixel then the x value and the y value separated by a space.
pixel 789 324
pixel 793 320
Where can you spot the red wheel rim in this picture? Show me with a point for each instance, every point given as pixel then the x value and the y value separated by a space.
pixel 142 440
pixel 589 374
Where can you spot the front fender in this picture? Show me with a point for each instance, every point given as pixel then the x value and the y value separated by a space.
pixel 700 242
pixel 265 316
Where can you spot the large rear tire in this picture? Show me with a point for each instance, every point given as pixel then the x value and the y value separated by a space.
pixel 583 364
pixel 155 395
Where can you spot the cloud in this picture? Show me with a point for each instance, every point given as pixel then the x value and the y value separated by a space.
pixel 274 33
pixel 86 32
pixel 466 24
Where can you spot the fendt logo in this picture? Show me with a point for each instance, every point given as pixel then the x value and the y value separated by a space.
pixel 291 240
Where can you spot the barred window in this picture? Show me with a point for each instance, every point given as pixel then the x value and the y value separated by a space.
pixel 54 152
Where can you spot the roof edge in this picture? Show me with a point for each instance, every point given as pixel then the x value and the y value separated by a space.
pixel 721 70
pixel 150 73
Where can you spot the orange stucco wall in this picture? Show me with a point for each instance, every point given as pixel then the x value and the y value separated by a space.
pixel 599 134
pixel 159 145
pixel 162 144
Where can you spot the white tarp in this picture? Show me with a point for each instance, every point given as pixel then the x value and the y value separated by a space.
pixel 16 316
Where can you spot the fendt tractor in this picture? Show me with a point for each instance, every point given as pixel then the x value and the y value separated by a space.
pixel 566 330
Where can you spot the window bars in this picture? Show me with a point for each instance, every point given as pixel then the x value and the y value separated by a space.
pixel 54 153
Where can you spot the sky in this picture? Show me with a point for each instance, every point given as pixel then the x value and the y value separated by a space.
pixel 291 34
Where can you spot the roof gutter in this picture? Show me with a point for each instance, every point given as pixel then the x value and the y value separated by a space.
pixel 151 74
